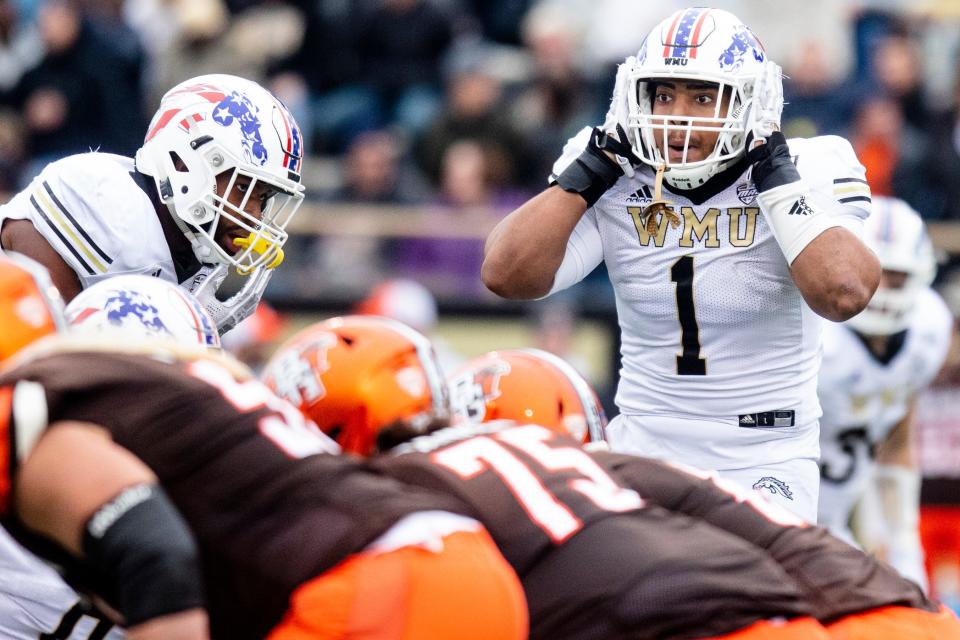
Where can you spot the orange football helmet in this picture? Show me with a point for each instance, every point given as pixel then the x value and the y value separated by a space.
pixel 528 385
pixel 355 375
pixel 30 306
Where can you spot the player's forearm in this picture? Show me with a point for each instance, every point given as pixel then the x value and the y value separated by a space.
pixel 524 251
pixel 185 625
pixel 836 274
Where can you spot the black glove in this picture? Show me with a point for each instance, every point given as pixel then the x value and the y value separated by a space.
pixel 772 164
pixel 593 172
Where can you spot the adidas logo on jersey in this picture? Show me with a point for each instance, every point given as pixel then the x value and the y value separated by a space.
pixel 643 194
pixel 747 420
pixel 801 208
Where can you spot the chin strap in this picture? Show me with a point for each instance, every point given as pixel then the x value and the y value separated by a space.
pixel 659 205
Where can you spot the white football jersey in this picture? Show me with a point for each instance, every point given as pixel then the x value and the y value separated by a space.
pixel 712 324
pixel 864 397
pixel 90 210
pixel 36 603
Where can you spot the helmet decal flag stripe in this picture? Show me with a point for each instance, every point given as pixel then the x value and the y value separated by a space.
pixel 669 39
pixel 696 32
pixel 294 141
pixel 684 30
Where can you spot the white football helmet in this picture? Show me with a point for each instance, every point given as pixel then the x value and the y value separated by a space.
pixel 142 306
pixel 898 236
pixel 213 124
pixel 696 44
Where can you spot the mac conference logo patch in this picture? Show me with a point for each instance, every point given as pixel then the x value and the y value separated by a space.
pixel 747 193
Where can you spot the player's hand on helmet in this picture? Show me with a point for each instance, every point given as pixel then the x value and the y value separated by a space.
pixel 594 159
pixel 205 284
pixel 767 149
pixel 615 123
pixel 766 107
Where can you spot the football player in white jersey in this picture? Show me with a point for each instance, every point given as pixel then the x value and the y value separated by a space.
pixel 210 191
pixel 873 367
pixel 725 244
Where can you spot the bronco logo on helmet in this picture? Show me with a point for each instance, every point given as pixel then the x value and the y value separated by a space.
pixel 743 39
pixel 239 108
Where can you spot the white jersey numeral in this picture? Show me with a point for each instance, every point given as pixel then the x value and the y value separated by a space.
pixel 474 456
pixel 286 427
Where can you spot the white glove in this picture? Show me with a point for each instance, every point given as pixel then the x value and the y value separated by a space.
pixel 227 313
pixel 616 117
pixel 767 104
pixel 615 123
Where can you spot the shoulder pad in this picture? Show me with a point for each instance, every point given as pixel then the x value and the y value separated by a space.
pixel 89 205
pixel 830 166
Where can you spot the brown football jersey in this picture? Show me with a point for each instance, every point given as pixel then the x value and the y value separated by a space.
pixel 595 560
pixel 836 579
pixel 237 462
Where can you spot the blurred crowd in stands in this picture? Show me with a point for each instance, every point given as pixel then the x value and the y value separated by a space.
pixel 459 105
pixel 465 103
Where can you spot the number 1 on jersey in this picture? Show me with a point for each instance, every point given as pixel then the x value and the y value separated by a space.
pixel 689 362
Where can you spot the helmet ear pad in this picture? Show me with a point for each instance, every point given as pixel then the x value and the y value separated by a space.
pixel 189 178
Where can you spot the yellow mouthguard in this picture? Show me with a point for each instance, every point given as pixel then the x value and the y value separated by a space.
pixel 261 246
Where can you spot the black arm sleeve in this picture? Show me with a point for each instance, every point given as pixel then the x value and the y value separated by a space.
pixel 143 547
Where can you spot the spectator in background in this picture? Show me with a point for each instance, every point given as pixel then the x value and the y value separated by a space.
pixel 402 44
pixel 121 74
pixel 12 153
pixel 876 134
pixel 472 177
pixel 499 19
pixel 62 99
pixel 472 197
pixel 473 110
pixel 817 105
pixel 321 80
pixel 560 96
pixel 209 40
pixel 465 181
pixel 898 73
pixel 930 179
pixel 373 173
pixel 21 47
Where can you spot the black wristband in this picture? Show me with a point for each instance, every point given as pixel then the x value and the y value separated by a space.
pixel 772 164
pixel 593 172
pixel 141 544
